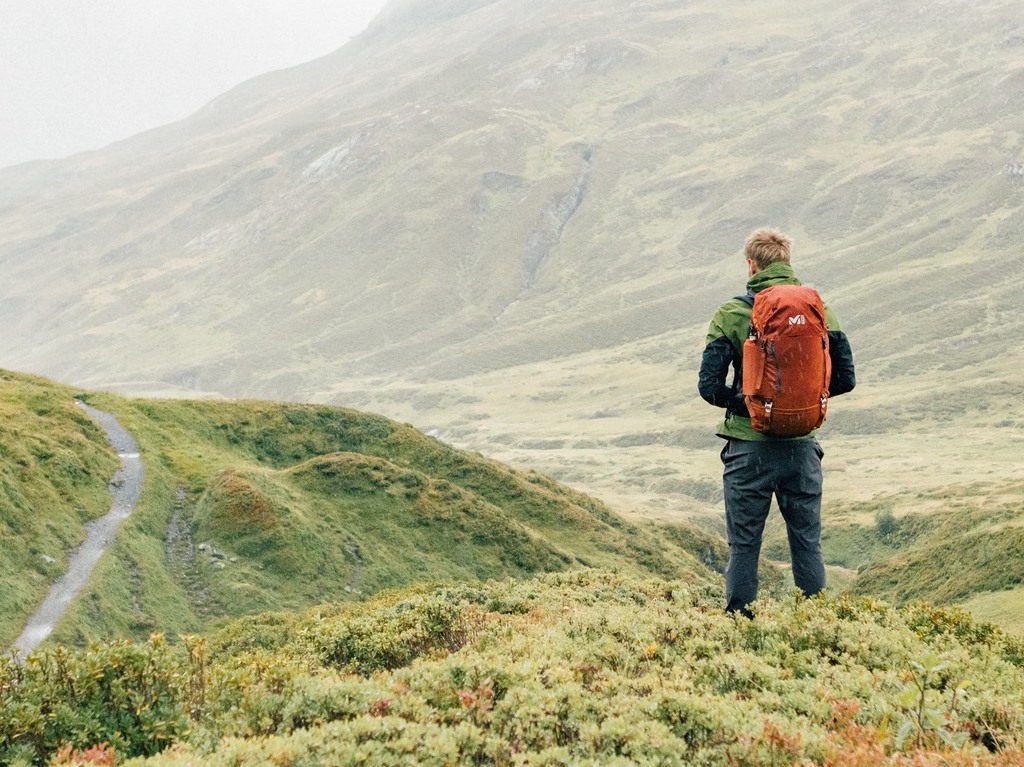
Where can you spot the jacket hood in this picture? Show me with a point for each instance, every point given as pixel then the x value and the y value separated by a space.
pixel 778 273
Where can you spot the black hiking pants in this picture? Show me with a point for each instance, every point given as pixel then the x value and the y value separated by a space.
pixel 754 472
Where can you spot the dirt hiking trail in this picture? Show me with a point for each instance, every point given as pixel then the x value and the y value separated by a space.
pixel 125 487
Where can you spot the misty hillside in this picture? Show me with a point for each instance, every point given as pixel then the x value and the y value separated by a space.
pixel 508 223
pixel 470 185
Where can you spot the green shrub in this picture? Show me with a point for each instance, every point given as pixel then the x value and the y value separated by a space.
pixel 129 696
pixel 391 639
pixel 885 523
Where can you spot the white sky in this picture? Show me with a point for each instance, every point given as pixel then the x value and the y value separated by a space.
pixel 80 74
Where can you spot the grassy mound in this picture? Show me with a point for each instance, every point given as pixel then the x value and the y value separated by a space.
pixel 971 547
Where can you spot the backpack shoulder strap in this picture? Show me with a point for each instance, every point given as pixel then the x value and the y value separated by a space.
pixel 737 365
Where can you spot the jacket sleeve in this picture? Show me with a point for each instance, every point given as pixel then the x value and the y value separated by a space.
pixel 719 357
pixel 843 376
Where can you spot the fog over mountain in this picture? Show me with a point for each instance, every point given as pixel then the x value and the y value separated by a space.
pixel 78 76
pixel 481 194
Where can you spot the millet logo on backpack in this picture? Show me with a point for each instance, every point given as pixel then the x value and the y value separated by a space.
pixel 798 320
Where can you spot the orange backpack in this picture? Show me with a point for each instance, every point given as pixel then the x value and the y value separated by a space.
pixel 786 365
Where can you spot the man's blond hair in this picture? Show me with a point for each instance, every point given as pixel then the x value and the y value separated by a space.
pixel 767 246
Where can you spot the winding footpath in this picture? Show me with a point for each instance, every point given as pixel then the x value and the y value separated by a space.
pixel 125 487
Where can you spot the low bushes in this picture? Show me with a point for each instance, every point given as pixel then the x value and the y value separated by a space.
pixel 580 668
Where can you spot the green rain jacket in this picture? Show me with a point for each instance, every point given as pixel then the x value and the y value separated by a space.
pixel 723 351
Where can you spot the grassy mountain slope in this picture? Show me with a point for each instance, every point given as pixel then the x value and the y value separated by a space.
pixel 584 668
pixel 472 186
pixel 254 506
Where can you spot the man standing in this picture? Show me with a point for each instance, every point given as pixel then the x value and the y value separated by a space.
pixel 759 465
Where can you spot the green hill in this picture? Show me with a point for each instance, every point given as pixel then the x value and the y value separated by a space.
pixel 969 548
pixel 586 668
pixel 256 506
